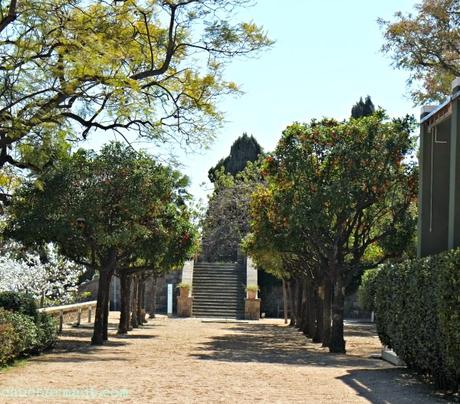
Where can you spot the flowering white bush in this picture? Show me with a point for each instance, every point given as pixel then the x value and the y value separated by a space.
pixel 55 280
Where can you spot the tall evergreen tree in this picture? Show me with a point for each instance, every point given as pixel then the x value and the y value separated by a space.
pixel 363 108
pixel 244 149
pixel 227 218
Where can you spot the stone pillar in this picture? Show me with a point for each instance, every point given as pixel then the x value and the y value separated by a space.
pixel 185 300
pixel 187 272
pixel 251 272
pixel 251 306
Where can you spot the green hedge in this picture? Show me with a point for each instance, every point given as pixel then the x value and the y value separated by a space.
pixel 417 307
pixel 21 335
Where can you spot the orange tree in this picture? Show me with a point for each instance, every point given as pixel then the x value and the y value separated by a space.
pixel 172 238
pixel 340 197
pixel 99 209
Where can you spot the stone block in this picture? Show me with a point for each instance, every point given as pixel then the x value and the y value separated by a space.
pixel 184 306
pixel 252 309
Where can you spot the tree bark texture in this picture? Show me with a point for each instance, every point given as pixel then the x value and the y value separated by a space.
pixel 125 299
pixel 337 342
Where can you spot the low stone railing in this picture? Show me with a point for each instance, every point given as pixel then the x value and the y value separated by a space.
pixel 71 313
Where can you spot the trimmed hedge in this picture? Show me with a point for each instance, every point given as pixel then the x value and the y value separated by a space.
pixel 21 336
pixel 417 307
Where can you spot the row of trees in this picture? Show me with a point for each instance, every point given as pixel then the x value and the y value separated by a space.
pixel 116 212
pixel 336 198
pixel 146 67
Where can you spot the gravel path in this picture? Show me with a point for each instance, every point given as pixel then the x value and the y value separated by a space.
pixel 194 361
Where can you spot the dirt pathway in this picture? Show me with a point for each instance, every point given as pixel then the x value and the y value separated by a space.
pixel 190 361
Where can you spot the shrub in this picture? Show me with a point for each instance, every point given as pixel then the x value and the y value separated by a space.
pixel 47 331
pixel 252 288
pixel 417 305
pixel 21 336
pixel 19 302
pixel 8 340
pixel 27 330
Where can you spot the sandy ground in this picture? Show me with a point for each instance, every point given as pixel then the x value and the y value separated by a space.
pixel 195 361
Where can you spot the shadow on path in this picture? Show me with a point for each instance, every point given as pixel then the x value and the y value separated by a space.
pixel 74 345
pixel 274 344
pixel 390 386
pixel 373 379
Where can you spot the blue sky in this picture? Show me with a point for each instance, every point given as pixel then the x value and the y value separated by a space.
pixel 326 56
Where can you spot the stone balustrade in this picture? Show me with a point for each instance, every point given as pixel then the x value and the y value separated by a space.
pixel 71 313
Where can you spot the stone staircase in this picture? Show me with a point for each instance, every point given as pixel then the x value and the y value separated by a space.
pixel 218 290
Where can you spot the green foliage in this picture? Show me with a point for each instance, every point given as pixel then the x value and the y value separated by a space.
pixel 72 67
pixel 184 285
pixel 8 339
pixel 244 149
pixel 47 331
pixel 252 288
pixel 417 307
pixel 322 203
pixel 227 219
pixel 367 289
pixel 425 44
pixel 21 336
pixel 91 205
pixel 19 303
pixel 27 330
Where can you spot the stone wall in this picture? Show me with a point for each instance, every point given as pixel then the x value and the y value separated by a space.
pixel 161 287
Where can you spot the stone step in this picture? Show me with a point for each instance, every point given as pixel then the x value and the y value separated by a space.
pixel 224 314
pixel 209 281
pixel 220 285
pixel 216 278
pixel 216 273
pixel 217 292
pixel 218 299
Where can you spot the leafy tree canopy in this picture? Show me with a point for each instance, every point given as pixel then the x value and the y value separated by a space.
pixel 93 205
pixel 69 68
pixel 425 43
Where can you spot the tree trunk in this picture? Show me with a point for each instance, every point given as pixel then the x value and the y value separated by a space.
pixel 105 329
pixel 319 334
pixel 125 300
pixel 291 302
pixel 140 300
pixel 337 343
pixel 298 304
pixel 100 323
pixel 311 312
pixel 304 308
pixel 285 302
pixel 134 300
pixel 154 297
pixel 327 307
